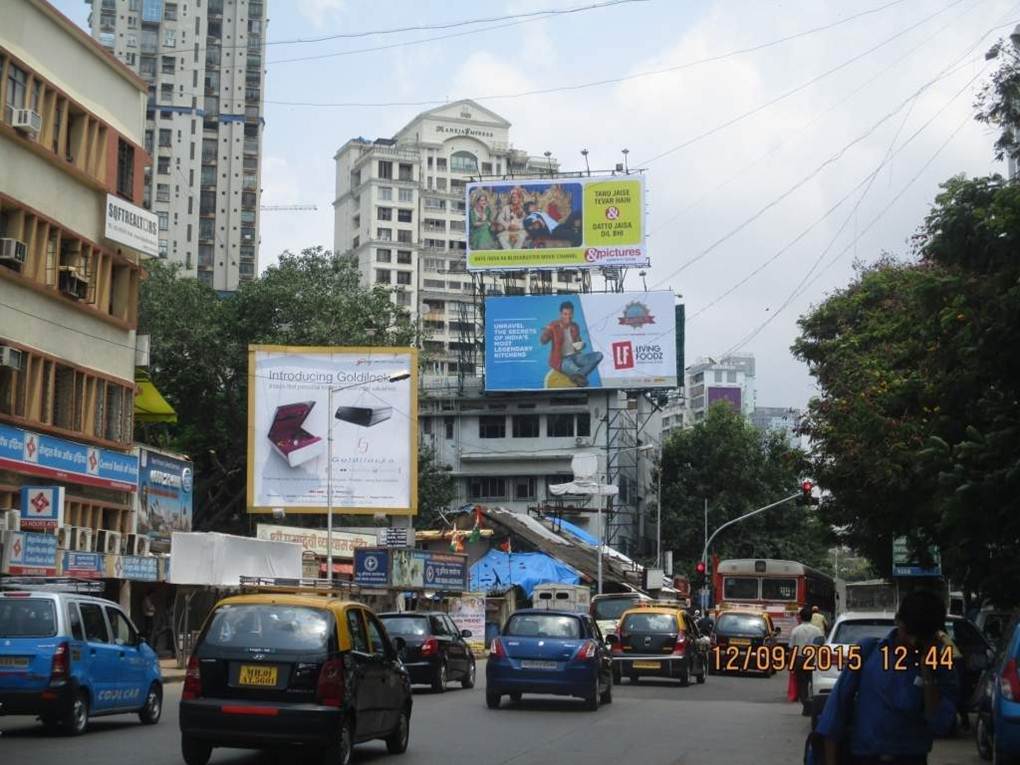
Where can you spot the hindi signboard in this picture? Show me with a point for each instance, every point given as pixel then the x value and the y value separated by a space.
pixel 468 613
pixel 314 540
pixel 28 553
pixel 371 567
pixel 50 457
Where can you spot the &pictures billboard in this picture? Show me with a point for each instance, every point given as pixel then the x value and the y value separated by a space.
pixel 595 340
pixel 373 467
pixel 583 222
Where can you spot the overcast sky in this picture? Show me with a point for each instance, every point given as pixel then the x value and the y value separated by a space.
pixel 723 201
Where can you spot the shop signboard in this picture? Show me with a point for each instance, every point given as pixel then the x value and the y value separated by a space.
pixel 596 340
pixel 29 553
pixel 314 540
pixel 42 508
pixel 83 565
pixel 445 571
pixel 165 487
pixel 132 226
pixel 369 463
pixel 140 568
pixel 593 222
pixel 468 613
pixel 907 564
pixel 56 458
pixel 371 567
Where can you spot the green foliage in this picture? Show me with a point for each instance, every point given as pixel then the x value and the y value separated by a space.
pixel 998 102
pixel 738 468
pixel 199 355
pixel 436 488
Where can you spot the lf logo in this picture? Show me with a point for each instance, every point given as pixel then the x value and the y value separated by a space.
pixel 623 355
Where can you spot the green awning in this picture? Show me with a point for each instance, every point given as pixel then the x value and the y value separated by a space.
pixel 150 406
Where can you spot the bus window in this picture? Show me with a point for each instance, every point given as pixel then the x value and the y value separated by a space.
pixel 740 588
pixel 779 589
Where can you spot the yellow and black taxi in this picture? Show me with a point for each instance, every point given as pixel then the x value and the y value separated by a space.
pixel 285 668
pixel 743 640
pixel 655 640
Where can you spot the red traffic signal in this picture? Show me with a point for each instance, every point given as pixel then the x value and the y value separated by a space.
pixel 806 488
pixel 700 567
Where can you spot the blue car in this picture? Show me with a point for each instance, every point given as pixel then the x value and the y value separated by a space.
pixel 549 652
pixel 1005 701
pixel 67 657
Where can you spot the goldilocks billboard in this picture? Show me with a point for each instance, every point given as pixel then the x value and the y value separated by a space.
pixel 563 223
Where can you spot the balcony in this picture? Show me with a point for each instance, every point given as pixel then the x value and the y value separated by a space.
pixel 251 145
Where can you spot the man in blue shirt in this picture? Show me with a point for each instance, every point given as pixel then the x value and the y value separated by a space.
pixel 890 710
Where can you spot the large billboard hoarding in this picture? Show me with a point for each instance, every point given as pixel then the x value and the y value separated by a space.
pixel 568 223
pixel 372 464
pixel 165 490
pixel 602 340
pixel 731 396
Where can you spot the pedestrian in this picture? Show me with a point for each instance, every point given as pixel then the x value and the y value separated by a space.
pixel 818 619
pixel 148 616
pixel 890 710
pixel 803 635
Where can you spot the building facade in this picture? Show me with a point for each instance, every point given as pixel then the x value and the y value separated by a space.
pixel 730 379
pixel 72 172
pixel 782 419
pixel 204 66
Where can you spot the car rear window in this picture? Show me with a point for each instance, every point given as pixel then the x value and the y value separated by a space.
pixel 741 624
pixel 408 626
pixel 650 623
pixel 543 625
pixel 27 617
pixel 853 632
pixel 275 626
pixel 612 608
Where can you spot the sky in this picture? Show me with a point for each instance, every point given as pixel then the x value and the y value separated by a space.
pixel 787 142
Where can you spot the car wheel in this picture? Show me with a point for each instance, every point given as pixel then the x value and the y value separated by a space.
pixel 76 718
pixel 591 701
pixel 195 752
pixel 469 678
pixel 340 751
pixel 440 678
pixel 983 738
pixel 492 700
pixel 607 694
pixel 396 742
pixel 153 709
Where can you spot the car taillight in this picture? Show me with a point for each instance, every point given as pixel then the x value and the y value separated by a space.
pixel 1010 681
pixel 330 689
pixel 430 647
pixel 681 645
pixel 192 681
pixel 61 661
pixel 587 651
pixel 497 649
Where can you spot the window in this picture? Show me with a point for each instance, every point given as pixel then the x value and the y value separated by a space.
pixel 560 425
pixel 492 426
pixel 123 632
pixel 404 298
pixel 170 12
pixel 17 87
pixel 25 618
pixel 164 248
pixel 740 588
pixel 487 168
pixel 440 163
pixel 162 192
pixel 125 168
pixel 718 376
pixel 487 488
pixel 95 624
pixel 170 38
pixel 584 424
pixel 404 216
pixel 404 236
pixel 385 169
pixel 375 635
pixel 441 184
pixel 74 622
pixel 382 276
pixel 384 234
pixel 404 257
pixel 132 41
pixel 382 256
pixel 779 589
pixel 385 193
pixel 448 426
pixel 525 487
pixel 731 376
pixel 356 626
pixel 464 162
pixel 168 65
pixel 403 277
pixel 166 95
pixel 525 425
pixel 406 172
pixel 405 195
pixel 164 220
pixel 163 165
pixel 384 213
pixel 166 134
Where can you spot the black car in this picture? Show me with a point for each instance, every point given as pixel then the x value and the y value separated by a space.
pixel 659 642
pixel 739 633
pixel 435 651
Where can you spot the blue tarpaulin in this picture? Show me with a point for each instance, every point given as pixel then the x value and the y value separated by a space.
pixel 498 570
pixel 573 530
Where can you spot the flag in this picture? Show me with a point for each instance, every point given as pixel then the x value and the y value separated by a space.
pixel 475 534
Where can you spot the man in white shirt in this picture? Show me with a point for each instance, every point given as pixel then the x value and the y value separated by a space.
pixel 804 634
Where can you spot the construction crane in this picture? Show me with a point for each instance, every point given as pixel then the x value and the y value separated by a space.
pixel 275 208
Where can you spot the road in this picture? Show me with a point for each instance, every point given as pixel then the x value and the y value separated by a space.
pixel 728 720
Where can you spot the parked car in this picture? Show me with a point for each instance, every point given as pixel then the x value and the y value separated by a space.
pixel 294 669
pixel 997 732
pixel 606 609
pixel 738 631
pixel 435 650
pixel 554 652
pixel 66 657
pixel 657 641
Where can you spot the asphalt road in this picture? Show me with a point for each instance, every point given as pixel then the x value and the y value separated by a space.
pixel 728 720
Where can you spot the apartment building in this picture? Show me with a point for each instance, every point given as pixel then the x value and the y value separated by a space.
pixel 400 210
pixel 730 379
pixel 782 419
pixel 204 65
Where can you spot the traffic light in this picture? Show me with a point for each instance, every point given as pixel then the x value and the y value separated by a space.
pixel 806 489
pixel 698 580
pixel 700 568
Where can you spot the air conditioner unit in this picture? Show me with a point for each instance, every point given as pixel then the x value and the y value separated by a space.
pixel 27 121
pixel 66 536
pixel 73 284
pixel 13 251
pixel 11 358
pixel 10 520
pixel 108 542
pixel 582 441
pixel 82 539
pixel 136 544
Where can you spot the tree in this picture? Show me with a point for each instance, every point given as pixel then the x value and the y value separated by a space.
pixel 436 488
pixel 998 101
pixel 738 468
pixel 199 355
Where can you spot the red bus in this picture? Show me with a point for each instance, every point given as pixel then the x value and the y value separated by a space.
pixel 779 587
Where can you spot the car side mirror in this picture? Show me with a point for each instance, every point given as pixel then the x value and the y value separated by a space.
pixel 465 633
pixel 612 639
pixel 820 640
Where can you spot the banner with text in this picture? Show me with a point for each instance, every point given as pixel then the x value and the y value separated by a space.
pixel 314 540
pixel 50 457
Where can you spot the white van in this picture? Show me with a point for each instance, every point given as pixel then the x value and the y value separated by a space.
pixel 575 598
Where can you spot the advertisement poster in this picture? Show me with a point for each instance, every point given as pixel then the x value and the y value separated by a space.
pixel 42 508
pixel 595 340
pixel 407 568
pixel 468 613
pixel 165 486
pixel 371 567
pixel 314 540
pixel 570 223
pixel 731 396
pixel 30 554
pixel 372 464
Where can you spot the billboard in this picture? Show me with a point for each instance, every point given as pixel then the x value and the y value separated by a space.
pixel 905 563
pixel 132 225
pixel 598 340
pixel 42 508
pixel 407 569
pixel 366 448
pixel 565 223
pixel 731 396
pixel 165 486
pixel 314 540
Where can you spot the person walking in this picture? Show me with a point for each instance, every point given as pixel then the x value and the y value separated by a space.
pixel 818 619
pixel 804 634
pixel 148 616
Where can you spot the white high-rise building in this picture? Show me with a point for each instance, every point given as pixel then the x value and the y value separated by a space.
pixel 730 379
pixel 204 62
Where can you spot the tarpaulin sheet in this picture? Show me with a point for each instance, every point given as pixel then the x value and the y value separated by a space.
pixel 498 571
pixel 575 531
pixel 219 560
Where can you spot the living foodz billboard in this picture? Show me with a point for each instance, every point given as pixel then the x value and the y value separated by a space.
pixel 372 465
pixel 556 223
pixel 589 341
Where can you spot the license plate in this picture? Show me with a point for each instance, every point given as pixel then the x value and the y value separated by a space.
pixel 647 665
pixel 16 662
pixel 258 676
pixel 739 641
pixel 528 664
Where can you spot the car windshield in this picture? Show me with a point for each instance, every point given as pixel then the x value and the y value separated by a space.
pixel 853 632
pixel 278 627
pixel 612 608
pixel 741 624
pixel 664 623
pixel 409 626
pixel 543 625
pixel 29 617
